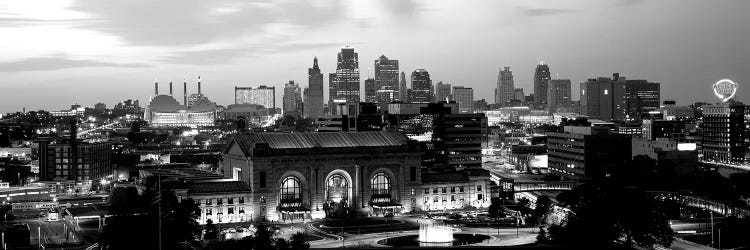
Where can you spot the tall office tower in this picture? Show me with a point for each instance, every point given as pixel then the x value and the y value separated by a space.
pixel 403 92
pixel 465 98
pixel 518 94
pixel 386 73
pixel 345 84
pixel 604 98
pixel 541 79
pixel 170 88
pixel 505 90
pixel 724 133
pixel 371 90
pixel 314 102
pixel 199 85
pixel 156 88
pixel 558 94
pixel 184 92
pixel 641 96
pixel 420 86
pixel 292 99
pixel 262 95
pixel 443 92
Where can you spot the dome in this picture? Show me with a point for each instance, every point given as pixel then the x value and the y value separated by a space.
pixel 164 103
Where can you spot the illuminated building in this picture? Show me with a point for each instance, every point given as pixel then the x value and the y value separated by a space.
pixel 314 101
pixel 344 84
pixel 724 133
pixel 421 86
pixel 541 88
pixel 254 114
pixel 657 128
pixel 523 115
pixel 585 152
pixel 262 95
pixel 386 75
pixel 505 91
pixel 221 201
pixel 371 91
pixel 384 96
pixel 334 175
pixel 465 99
pixel 641 96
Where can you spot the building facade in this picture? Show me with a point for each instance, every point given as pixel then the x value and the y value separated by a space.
pixel 465 99
pixel 386 75
pixel 292 99
pixel 505 90
pixel 262 95
pixel 344 84
pixel 604 98
pixel 421 86
pixel 641 96
pixel 443 92
pixel 79 162
pixel 371 90
pixel 314 102
pixel 585 152
pixel 558 94
pixel 724 133
pixel 541 81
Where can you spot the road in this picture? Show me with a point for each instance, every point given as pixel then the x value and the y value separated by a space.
pixel 53 232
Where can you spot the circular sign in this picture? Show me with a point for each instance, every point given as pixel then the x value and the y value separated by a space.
pixel 725 89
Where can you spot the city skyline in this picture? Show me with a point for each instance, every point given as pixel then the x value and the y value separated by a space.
pixel 59 52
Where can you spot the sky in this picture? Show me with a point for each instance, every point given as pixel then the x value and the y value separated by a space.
pixel 58 52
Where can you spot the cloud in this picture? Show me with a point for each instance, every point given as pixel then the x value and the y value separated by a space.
pixel 178 22
pixel 56 62
pixel 543 11
pixel 629 2
pixel 229 55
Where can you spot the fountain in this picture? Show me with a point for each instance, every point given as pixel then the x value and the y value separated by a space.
pixel 433 233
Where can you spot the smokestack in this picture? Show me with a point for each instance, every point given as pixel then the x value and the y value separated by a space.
pixel 170 88
pixel 184 90
pixel 199 85
pixel 156 88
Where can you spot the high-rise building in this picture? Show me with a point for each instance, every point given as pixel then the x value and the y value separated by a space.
pixel 262 95
pixel 541 79
pixel 420 86
pixel 518 94
pixel 443 92
pixel 386 74
pixel 641 96
pixel 724 133
pixel 604 98
pixel 558 94
pixel 292 99
pixel 371 90
pixel 585 152
pixel 505 90
pixel 403 91
pixel 344 84
pixel 314 102
pixel 465 98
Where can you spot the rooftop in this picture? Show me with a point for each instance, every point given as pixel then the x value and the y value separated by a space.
pixel 320 140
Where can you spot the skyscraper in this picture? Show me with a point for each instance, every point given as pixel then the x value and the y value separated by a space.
pixel 314 102
pixel 292 99
pixel 505 90
pixel 371 90
pixel 344 85
pixel 262 95
pixel 386 74
pixel 421 85
pixel 604 98
pixel 443 92
pixel 558 94
pixel 518 94
pixel 403 91
pixel 541 79
pixel 641 96
pixel 465 98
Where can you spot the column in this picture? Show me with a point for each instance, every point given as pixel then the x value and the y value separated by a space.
pixel 356 187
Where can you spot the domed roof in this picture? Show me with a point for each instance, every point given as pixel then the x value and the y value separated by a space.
pixel 164 103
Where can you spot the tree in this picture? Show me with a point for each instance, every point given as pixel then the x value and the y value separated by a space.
pixel 543 206
pixel 496 209
pixel 524 206
pixel 263 237
pixel 281 244
pixel 211 231
pixel 298 242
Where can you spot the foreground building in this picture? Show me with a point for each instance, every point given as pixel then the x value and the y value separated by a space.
pixel 585 152
pixel 724 133
pixel 314 175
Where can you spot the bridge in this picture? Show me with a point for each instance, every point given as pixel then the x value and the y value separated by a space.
pixel 105 126
pixel 511 185
pixel 719 207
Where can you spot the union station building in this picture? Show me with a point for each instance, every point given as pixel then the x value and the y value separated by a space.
pixel 301 176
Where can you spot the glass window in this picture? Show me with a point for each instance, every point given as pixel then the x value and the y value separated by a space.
pixel 242 200
pixel 230 201
pixel 380 184
pixel 291 189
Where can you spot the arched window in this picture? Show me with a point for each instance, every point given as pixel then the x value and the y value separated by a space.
pixel 291 189
pixel 380 184
pixel 337 188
